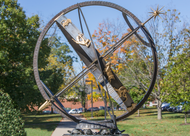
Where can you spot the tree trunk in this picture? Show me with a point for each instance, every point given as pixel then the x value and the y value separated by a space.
pixel 83 100
pixel 159 108
pixel 83 107
pixel 117 107
pixel 144 106
pixel 51 110
pixel 82 103
pixel 112 105
pixel 185 117
pixel 138 113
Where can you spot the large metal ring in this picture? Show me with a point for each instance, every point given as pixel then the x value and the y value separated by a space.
pixel 125 12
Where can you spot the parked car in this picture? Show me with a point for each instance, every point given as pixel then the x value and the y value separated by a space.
pixel 67 111
pixel 81 109
pixel 93 109
pixel 172 109
pixel 73 111
pixel 101 108
pixel 49 112
pixel 46 112
pixel 55 112
pixel 179 108
pixel 120 108
pixel 165 106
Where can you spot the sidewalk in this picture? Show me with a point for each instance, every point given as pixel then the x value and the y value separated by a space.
pixel 64 126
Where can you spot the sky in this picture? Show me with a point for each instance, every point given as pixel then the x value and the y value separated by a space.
pixel 47 9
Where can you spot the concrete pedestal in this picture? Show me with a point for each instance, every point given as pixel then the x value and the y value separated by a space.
pixel 97 135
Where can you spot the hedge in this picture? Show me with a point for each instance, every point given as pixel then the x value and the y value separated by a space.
pixel 11 123
pixel 95 113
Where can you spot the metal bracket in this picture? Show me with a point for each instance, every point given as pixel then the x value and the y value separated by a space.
pixel 132 107
pixel 45 105
pixel 109 73
pixel 122 92
pixel 65 22
pixel 80 40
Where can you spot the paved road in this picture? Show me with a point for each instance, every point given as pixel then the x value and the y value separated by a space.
pixel 64 126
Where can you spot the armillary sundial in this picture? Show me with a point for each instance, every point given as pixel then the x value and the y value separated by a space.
pixel 97 65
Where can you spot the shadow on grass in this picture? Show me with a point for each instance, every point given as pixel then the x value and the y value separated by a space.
pixel 127 119
pixel 178 116
pixel 166 114
pixel 47 122
pixel 41 123
pixel 46 126
pixel 148 111
pixel 42 116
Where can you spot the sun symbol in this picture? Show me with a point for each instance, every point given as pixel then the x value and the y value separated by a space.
pixel 157 12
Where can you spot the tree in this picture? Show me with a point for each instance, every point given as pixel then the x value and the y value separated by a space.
pixel 18 36
pixel 176 81
pixel 10 118
pixel 136 95
pixel 59 68
pixel 135 60
pixel 127 61
pixel 166 35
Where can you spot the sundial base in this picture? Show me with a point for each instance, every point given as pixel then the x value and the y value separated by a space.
pixel 87 132
pixel 97 135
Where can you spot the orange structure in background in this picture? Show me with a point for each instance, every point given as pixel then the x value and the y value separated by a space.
pixel 76 105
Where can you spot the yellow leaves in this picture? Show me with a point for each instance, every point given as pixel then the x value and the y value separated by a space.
pixel 114 62
pixel 104 44
pixel 99 32
pixel 41 69
pixel 90 76
pixel 120 66
pixel 93 35
pixel 96 96
pixel 52 60
pixel 105 37
pixel 122 49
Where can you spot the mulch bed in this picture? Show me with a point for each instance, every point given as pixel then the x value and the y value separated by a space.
pixel 185 124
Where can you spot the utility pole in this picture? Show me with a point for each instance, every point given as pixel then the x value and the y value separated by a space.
pixel 91 96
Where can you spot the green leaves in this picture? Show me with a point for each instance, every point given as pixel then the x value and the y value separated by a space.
pixel 176 81
pixel 11 123
pixel 18 36
pixel 58 64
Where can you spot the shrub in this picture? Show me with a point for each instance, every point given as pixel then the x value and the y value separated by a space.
pixel 11 124
pixel 101 113
pixel 95 113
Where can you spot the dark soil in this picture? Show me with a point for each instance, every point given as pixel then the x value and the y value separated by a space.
pixel 185 124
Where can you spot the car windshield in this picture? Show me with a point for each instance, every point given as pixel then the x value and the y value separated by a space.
pixel 164 104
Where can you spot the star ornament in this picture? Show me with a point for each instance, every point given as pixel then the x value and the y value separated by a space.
pixel 157 12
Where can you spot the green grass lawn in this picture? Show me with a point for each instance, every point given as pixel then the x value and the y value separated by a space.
pixel 148 125
pixel 41 125
pixel 145 125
